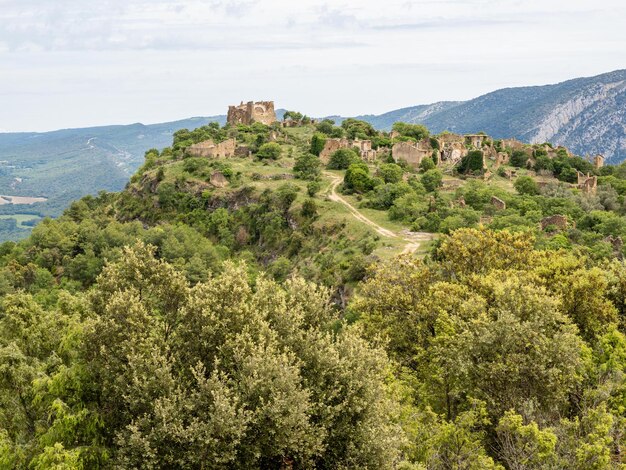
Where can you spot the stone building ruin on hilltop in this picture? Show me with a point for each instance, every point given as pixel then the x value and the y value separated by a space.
pixel 250 112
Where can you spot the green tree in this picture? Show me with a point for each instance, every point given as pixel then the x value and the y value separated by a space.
pixel 307 167
pixel 432 179
pixel 390 172
pixel 317 143
pixel 357 178
pixel 341 159
pixel 415 131
pixel 270 150
pixel 526 185
pixel 519 158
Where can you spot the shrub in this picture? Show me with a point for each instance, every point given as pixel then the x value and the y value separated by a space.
pixel 432 179
pixel 342 159
pixel 271 151
pixel 526 185
pixel 390 173
pixel 519 158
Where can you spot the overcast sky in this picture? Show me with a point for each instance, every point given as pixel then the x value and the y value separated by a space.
pixel 78 63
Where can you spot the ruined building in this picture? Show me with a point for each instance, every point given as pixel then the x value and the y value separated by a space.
pixel 362 147
pixel 260 111
pixel 588 184
pixel 411 152
pixel 598 161
pixel 210 149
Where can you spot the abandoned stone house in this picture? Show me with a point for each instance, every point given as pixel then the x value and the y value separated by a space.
pixel 210 149
pixel 475 140
pixel 362 147
pixel 331 146
pixel 365 150
pixel 411 152
pixel 250 112
pixel 588 184
pixel 558 221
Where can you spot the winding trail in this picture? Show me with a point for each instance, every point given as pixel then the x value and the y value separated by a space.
pixel 413 239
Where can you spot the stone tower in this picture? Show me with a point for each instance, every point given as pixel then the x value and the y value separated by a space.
pixel 260 111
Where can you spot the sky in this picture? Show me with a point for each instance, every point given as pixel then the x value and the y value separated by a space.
pixel 80 63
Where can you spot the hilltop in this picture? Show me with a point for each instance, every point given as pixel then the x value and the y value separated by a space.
pixel 587 115
pixel 297 294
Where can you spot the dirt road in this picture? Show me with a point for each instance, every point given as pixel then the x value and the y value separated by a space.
pixel 413 239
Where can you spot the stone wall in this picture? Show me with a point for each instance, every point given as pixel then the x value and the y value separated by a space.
pixel 250 112
pixel 331 146
pixel 411 152
pixel 210 149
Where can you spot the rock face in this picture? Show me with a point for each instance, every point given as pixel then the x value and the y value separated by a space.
pixel 260 111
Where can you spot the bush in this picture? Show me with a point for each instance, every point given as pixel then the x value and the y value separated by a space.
pixel 317 143
pixel 526 185
pixel 313 188
pixel 307 167
pixel 390 173
pixel 271 151
pixel 342 159
pixel 427 164
pixel 472 162
pixel 432 179
pixel 519 158
pixel 357 178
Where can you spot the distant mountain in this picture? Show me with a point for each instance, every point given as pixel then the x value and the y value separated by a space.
pixel 587 115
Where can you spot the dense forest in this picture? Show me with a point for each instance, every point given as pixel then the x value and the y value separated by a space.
pixel 230 313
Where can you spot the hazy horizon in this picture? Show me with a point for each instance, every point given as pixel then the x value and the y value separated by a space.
pixel 70 64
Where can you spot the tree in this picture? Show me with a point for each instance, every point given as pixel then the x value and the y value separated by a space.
pixel 357 178
pixel 341 159
pixel 526 185
pixel 317 143
pixel 238 376
pixel 473 162
pixel 519 158
pixel 307 167
pixel 357 129
pixel 270 150
pixel 390 172
pixel 427 164
pixel 415 131
pixel 432 179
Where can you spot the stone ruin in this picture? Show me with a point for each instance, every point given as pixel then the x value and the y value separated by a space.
pixel 362 147
pixel 210 149
pixel 498 203
pixel 598 161
pixel 250 112
pixel 218 179
pixel 476 140
pixel 559 221
pixel 411 152
pixel 586 183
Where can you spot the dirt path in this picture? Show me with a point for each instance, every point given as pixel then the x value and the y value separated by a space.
pixel 413 239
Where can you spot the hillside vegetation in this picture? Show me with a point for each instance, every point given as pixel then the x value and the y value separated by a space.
pixel 587 115
pixel 288 307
